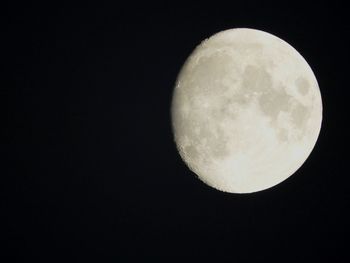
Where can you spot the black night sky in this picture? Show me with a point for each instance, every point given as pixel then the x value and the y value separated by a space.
pixel 91 172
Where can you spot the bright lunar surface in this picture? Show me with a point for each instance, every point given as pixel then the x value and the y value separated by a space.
pixel 246 110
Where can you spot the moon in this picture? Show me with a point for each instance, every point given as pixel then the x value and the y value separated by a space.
pixel 246 111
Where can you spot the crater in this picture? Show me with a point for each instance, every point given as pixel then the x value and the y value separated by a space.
pixel 214 141
pixel 204 140
pixel 191 151
pixel 302 85
pixel 228 109
pixel 300 114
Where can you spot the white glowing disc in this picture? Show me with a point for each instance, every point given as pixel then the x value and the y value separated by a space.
pixel 246 111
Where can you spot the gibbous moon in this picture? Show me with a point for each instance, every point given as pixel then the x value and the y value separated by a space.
pixel 246 111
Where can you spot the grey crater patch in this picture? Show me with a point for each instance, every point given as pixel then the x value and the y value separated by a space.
pixel 302 85
pixel 210 78
pixel 272 102
pixel 300 114
pixel 203 141
pixel 256 79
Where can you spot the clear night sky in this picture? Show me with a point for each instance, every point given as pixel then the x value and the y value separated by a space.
pixel 91 170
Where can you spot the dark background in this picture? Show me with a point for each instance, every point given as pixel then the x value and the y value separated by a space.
pixel 91 169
